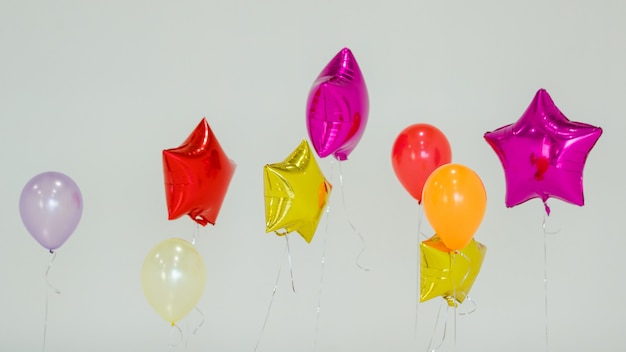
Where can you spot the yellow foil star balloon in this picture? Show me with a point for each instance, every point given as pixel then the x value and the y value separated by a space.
pixel 447 273
pixel 296 193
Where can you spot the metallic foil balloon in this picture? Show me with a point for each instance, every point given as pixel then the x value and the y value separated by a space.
pixel 173 278
pixel 418 150
pixel 446 273
pixel 51 206
pixel 197 175
pixel 543 154
pixel 454 202
pixel 337 107
pixel 296 193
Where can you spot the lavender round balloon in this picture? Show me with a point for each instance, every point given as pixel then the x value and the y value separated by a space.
pixel 51 206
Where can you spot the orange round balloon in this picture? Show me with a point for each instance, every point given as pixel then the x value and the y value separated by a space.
pixel 454 201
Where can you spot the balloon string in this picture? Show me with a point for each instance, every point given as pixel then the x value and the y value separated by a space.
pixel 195 234
pixel 54 255
pixel 469 299
pixel 293 287
pixel 432 348
pixel 55 290
pixel 195 331
pixel 420 221
pixel 201 321
pixel 319 293
pixel 545 274
pixel 354 229
pixel 420 217
pixel 173 328
pixel 467 273
pixel 269 307
pixel 454 287
pixel 194 241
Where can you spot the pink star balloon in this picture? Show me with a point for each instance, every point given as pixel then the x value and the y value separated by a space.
pixel 337 107
pixel 543 154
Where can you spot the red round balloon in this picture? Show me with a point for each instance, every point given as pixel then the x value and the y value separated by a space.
pixel 418 150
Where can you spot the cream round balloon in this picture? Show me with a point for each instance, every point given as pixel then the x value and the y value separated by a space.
pixel 173 278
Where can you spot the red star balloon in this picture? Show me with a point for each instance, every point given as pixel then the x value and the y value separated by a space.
pixel 543 154
pixel 197 175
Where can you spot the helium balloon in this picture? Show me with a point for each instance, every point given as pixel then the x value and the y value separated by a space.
pixel 543 154
pixel 454 201
pixel 446 273
pixel 197 175
pixel 418 150
pixel 173 278
pixel 296 193
pixel 51 206
pixel 337 107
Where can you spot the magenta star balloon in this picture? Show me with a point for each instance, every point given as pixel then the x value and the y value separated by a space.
pixel 337 107
pixel 543 154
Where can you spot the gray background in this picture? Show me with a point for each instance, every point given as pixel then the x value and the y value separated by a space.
pixel 97 89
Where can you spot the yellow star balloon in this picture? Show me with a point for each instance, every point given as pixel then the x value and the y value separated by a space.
pixel 447 273
pixel 296 193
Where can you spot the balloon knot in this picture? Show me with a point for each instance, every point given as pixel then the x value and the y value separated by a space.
pixel 545 204
pixel 451 301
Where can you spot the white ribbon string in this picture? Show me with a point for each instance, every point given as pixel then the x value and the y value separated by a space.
pixel 194 241
pixel 195 234
pixel 453 265
pixel 431 346
pixel 319 293
pixel 48 288
pixel 322 262
pixel 418 266
pixel 354 229
pixel 269 307
pixel 545 269
pixel 469 300
pixel 171 343
pixel 545 276
pixel 293 286
pixel 467 273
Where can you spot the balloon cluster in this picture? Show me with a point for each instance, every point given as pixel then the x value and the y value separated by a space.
pixel 454 201
pixel 196 175
pixel 543 155
pixel 337 110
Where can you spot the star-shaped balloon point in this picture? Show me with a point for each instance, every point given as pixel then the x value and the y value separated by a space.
pixel 447 273
pixel 197 175
pixel 296 193
pixel 543 154
pixel 337 107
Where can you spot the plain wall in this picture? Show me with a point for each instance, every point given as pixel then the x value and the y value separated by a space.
pixel 97 90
